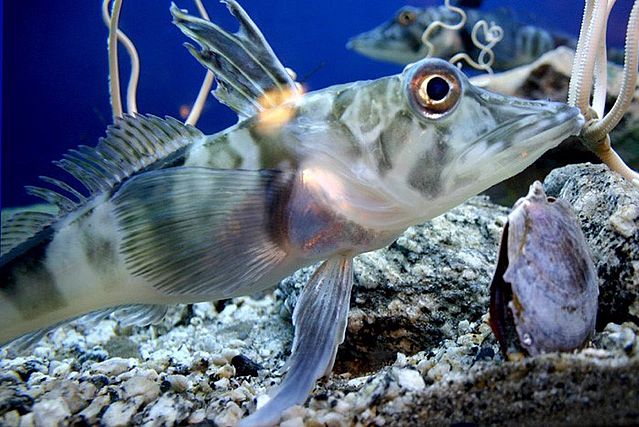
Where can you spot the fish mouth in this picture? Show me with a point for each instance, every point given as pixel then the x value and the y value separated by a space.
pixel 371 45
pixel 523 132
pixel 536 131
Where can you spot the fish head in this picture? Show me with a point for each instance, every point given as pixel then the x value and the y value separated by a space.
pixel 399 39
pixel 464 139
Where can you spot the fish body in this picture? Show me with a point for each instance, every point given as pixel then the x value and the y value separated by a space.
pixel 173 215
pixel 399 39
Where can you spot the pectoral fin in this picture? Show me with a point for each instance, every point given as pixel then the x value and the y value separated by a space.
pixel 204 233
pixel 320 319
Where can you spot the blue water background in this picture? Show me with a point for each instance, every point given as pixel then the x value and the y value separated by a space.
pixel 54 69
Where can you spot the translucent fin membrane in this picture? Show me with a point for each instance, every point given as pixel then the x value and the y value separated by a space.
pixel 247 71
pixel 132 144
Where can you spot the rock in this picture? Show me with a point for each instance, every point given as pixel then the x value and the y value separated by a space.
pixel 90 414
pixel 11 418
pixel 114 366
pixel 121 412
pixel 14 399
pixel 141 386
pixel 69 392
pixel 178 383
pixel 245 366
pixel 51 412
pixel 606 206
pixel 168 410
pixel 226 371
pixel 553 389
pixel 409 379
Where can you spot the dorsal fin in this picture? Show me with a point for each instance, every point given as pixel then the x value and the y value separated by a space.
pixel 132 144
pixel 249 75
pixel 19 225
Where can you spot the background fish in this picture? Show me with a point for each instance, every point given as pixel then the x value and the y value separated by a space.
pixel 168 214
pixel 399 39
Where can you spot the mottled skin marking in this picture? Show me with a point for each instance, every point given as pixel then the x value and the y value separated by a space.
pixel 28 284
pixel 392 138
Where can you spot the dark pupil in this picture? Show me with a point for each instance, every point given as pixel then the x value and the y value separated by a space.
pixel 437 88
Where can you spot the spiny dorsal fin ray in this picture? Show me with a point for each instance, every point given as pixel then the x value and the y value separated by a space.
pixel 202 232
pixel 132 144
pixel 248 73
pixel 21 224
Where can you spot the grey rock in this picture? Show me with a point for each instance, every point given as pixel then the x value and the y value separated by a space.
pixel 51 412
pixel 606 206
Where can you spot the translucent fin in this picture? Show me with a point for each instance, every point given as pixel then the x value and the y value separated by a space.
pixel 132 144
pixel 206 232
pixel 27 341
pixel 20 225
pixel 320 319
pixel 127 315
pixel 140 314
pixel 247 71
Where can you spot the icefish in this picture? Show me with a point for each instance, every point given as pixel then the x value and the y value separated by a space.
pixel 399 40
pixel 169 215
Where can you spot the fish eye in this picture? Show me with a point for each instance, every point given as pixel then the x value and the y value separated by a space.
pixel 434 90
pixel 405 18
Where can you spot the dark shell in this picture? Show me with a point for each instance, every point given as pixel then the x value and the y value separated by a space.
pixel 545 283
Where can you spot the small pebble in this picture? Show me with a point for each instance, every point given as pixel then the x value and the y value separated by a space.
pixel 293 422
pixel 120 413
pixel 222 384
pixel 179 383
pixel 141 386
pixel 409 379
pixel 49 412
pixel 245 366
pixel 226 371
pixel 167 411
pixel 114 366
pixel 91 412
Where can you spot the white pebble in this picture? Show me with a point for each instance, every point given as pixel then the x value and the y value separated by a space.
pixel 114 366
pixel 293 422
pixel 226 371
pixel 50 412
pixel 90 413
pixel 230 416
pixel 120 413
pixel 165 411
pixel 222 384
pixel 409 379
pixel 179 383
pixel 141 386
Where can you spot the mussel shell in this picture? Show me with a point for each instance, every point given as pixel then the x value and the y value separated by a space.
pixel 545 281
